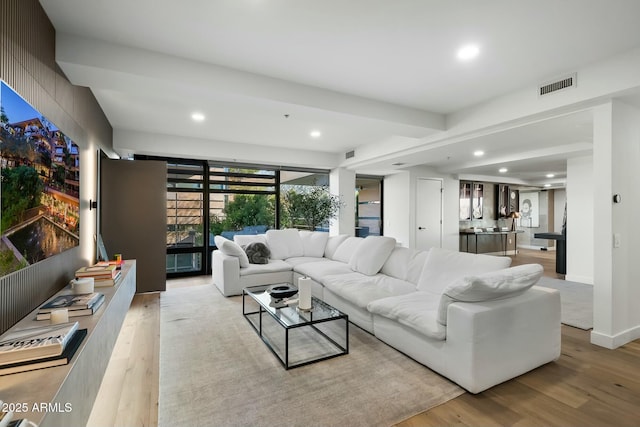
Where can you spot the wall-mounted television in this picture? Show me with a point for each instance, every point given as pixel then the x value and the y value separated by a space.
pixel 39 187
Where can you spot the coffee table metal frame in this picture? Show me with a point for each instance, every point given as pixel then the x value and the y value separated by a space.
pixel 289 317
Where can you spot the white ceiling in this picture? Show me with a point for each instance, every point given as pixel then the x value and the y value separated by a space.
pixel 360 71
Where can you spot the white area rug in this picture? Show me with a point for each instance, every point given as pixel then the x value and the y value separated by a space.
pixel 576 299
pixel 215 371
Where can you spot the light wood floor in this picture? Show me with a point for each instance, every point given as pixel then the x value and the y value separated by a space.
pixel 587 386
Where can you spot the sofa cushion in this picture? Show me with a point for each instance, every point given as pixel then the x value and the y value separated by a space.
pixel 360 289
pixel 274 266
pixel 346 249
pixel 313 243
pixel 319 269
pixel 405 264
pixel 332 244
pixel 230 248
pixel 489 286
pixel 443 266
pixel 417 310
pixel 297 260
pixel 371 254
pixel 284 243
pixel 257 252
pixel 246 239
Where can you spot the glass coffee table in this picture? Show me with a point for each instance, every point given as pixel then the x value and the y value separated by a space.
pixel 296 337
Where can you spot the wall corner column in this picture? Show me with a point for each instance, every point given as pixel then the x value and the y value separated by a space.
pixel 342 183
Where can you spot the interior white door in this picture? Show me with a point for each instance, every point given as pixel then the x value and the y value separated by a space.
pixel 428 233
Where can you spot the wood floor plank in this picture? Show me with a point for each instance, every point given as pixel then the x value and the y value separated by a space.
pixel 128 395
pixel 105 407
pixel 529 403
pixel 135 401
pixel 554 381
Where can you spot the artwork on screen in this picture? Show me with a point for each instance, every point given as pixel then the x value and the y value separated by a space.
pixel 40 187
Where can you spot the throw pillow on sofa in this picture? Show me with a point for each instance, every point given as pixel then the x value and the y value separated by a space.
pixel 405 264
pixel 258 253
pixel 285 243
pixel 230 248
pixel 333 242
pixel 314 243
pixel 443 266
pixel 371 254
pixel 346 249
pixel 494 285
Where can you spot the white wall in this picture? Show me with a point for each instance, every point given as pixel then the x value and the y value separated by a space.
pixel 559 199
pixel 617 272
pixel 396 207
pixel 580 220
pixel 342 182
pixel 400 206
pixel 451 213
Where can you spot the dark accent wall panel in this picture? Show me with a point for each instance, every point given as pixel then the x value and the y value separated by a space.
pixel 27 64
pixel 133 207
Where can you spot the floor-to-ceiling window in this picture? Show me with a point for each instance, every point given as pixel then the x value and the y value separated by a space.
pixel 207 198
pixel 242 200
pixel 305 186
pixel 185 218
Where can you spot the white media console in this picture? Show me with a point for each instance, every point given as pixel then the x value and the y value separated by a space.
pixel 64 395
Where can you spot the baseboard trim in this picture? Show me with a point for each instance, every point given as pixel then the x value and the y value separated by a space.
pixel 580 279
pixel 512 252
pixel 537 248
pixel 617 340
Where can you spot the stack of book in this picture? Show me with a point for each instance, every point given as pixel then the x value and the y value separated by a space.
pixel 117 262
pixel 40 347
pixel 103 274
pixel 76 305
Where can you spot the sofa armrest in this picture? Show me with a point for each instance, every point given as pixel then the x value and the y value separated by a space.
pixel 226 273
pixel 492 341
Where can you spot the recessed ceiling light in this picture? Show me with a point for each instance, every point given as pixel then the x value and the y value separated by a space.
pixel 550 175
pixel 315 134
pixel 478 153
pixel 547 185
pixel 503 170
pixel 197 117
pixel 468 52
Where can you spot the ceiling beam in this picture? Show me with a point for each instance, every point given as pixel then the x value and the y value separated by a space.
pixel 102 65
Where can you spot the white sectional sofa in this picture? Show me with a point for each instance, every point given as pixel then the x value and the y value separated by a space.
pixel 469 317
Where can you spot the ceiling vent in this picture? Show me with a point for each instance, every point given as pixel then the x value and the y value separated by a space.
pixel 349 154
pixel 563 83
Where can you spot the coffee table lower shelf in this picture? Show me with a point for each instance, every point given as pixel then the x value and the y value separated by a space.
pixel 297 338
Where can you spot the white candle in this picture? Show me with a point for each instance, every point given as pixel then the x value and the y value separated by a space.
pixel 304 293
pixel 82 286
pixel 60 315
